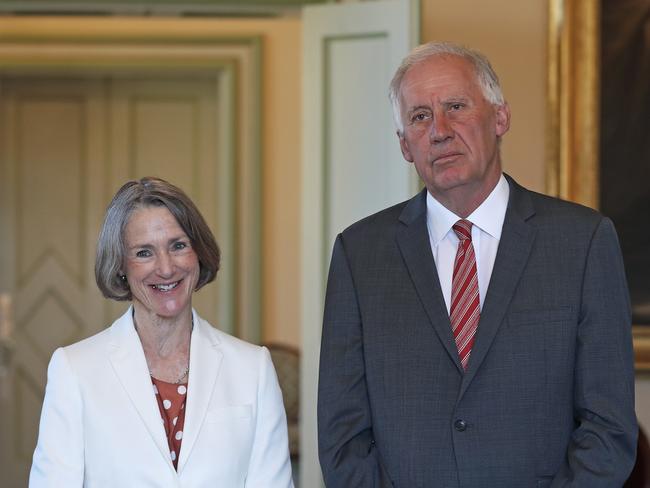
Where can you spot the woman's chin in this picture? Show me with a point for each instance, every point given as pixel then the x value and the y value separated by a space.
pixel 173 308
pixel 169 309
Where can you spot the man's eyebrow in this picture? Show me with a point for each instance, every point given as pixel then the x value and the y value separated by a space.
pixel 417 107
pixel 460 98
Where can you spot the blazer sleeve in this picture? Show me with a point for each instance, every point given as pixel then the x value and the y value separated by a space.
pixel 59 455
pixel 269 465
pixel 347 451
pixel 602 447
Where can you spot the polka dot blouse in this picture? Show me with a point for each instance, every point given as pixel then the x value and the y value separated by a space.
pixel 171 403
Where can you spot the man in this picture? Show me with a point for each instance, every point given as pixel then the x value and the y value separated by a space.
pixel 477 335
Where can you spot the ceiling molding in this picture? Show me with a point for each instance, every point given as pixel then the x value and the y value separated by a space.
pixel 244 8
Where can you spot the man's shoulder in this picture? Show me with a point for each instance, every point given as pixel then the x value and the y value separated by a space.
pixel 553 210
pixel 380 222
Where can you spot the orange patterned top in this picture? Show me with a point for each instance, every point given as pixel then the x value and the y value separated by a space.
pixel 171 403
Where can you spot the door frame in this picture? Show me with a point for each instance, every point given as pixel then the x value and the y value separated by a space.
pixel 87 45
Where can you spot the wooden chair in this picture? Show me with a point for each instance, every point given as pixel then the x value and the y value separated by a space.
pixel 286 360
pixel 640 476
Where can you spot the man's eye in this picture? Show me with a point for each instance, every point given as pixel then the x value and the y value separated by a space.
pixel 420 116
pixel 143 253
pixel 456 106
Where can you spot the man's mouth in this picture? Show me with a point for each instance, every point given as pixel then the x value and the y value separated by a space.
pixel 165 287
pixel 445 156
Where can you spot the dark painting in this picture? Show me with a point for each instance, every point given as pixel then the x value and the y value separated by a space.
pixel 625 139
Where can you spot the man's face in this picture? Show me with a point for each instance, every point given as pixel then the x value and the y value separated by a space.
pixel 450 130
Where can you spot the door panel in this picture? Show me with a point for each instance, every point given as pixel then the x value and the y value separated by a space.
pixel 50 208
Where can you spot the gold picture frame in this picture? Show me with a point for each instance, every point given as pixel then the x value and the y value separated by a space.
pixel 573 88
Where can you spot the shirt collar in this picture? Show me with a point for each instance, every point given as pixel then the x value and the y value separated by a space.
pixel 488 217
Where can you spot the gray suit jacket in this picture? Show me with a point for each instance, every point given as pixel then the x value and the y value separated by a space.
pixel 548 396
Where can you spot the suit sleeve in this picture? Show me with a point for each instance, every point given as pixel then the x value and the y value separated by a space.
pixel 59 455
pixel 602 447
pixel 348 455
pixel 269 465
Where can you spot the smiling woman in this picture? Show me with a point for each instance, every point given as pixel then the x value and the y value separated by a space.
pixel 149 193
pixel 160 265
pixel 118 399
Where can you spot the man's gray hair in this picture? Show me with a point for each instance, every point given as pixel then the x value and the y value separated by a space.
pixel 487 78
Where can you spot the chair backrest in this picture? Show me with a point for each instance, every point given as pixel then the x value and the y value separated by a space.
pixel 286 360
pixel 640 476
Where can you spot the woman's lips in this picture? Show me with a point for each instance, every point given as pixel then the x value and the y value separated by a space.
pixel 165 287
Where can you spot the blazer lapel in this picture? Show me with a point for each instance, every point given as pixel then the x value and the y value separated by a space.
pixel 517 239
pixel 128 361
pixel 205 362
pixel 413 242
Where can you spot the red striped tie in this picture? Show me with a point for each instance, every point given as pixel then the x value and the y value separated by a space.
pixel 465 308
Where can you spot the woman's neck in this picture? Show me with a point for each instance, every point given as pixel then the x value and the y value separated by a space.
pixel 165 341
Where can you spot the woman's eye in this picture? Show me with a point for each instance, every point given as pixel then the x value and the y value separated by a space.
pixel 180 245
pixel 143 253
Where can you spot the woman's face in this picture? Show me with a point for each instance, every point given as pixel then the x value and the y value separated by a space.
pixel 161 267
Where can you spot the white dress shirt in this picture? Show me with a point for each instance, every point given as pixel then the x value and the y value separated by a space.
pixel 486 233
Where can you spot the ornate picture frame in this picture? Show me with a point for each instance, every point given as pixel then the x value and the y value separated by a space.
pixel 573 88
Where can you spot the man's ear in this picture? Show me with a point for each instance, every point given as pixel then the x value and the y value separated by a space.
pixel 403 145
pixel 502 119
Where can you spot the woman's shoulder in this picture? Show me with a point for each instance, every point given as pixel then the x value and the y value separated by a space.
pixel 90 346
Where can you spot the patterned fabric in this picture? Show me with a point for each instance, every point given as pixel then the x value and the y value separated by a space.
pixel 465 305
pixel 171 403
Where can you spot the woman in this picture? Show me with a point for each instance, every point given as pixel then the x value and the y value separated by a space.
pixel 160 398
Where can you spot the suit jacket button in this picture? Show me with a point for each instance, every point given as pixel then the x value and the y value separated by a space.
pixel 460 425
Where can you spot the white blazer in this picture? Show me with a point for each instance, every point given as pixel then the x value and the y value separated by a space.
pixel 101 427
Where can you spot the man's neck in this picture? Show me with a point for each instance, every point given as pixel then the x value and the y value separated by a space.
pixel 464 199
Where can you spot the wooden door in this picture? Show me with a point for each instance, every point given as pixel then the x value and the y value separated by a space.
pixel 66 145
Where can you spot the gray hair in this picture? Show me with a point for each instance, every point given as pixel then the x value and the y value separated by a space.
pixel 149 192
pixel 487 78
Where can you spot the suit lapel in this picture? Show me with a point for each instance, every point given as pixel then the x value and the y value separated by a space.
pixel 205 362
pixel 413 242
pixel 516 242
pixel 128 361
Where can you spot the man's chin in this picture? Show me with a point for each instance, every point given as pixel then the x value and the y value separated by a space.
pixel 450 180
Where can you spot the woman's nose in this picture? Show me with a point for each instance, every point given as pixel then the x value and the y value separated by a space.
pixel 165 264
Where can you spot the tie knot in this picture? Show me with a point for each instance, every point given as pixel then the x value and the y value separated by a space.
pixel 463 229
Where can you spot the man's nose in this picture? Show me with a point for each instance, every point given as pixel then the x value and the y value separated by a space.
pixel 440 129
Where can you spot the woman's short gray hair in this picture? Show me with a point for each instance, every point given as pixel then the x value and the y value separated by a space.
pixel 487 78
pixel 149 192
